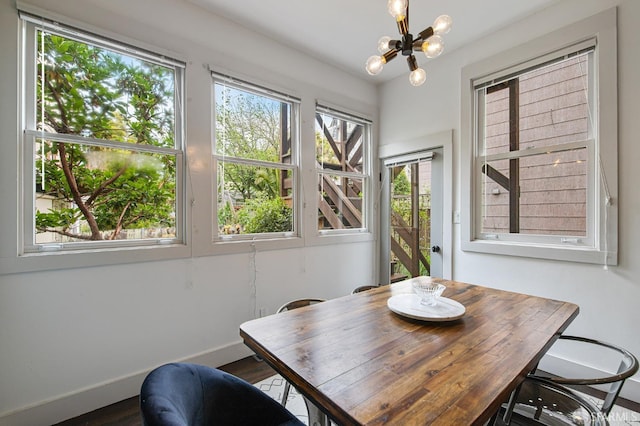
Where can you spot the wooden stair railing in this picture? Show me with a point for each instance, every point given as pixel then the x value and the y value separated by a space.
pixel 407 235
pixel 340 200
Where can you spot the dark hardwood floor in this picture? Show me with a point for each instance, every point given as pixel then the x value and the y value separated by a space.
pixel 127 413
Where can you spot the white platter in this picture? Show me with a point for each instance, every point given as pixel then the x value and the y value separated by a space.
pixel 409 305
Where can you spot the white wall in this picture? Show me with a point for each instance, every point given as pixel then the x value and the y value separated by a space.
pixel 608 299
pixel 72 340
pixel 77 339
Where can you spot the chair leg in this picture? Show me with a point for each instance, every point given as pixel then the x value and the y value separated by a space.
pixel 493 421
pixel 285 394
pixel 511 405
pixel 316 417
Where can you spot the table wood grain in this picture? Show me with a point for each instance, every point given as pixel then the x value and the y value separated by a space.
pixel 364 365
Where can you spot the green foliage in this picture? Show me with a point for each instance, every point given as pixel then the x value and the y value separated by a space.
pixel 58 218
pixel 401 184
pixel 90 91
pixel 132 202
pixel 248 126
pixel 265 215
pixel 226 215
pixel 246 182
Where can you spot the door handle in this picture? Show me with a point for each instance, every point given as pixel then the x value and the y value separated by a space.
pixel 435 249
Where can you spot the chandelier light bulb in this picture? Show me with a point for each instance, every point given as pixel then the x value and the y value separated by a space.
pixel 375 64
pixel 383 44
pixel 433 46
pixel 417 77
pixel 397 8
pixel 442 24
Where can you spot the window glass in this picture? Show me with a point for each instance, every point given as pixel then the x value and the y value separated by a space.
pixel 341 153
pixel 137 203
pixel 90 91
pixel 105 142
pixel 340 202
pixel 534 151
pixel 256 166
pixel 552 195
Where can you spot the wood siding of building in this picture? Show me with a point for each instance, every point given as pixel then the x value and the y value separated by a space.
pixel 553 109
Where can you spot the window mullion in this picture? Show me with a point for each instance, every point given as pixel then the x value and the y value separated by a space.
pixel 247 162
pixel 82 140
pixel 528 152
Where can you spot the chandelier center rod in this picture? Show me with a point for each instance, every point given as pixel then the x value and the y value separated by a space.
pixel 407 44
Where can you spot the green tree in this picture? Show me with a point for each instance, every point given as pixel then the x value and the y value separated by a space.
pixel 266 215
pixel 401 184
pixel 89 91
pixel 250 127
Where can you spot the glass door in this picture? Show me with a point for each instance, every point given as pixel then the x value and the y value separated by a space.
pixel 413 210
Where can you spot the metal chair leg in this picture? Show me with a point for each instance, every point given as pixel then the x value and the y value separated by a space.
pixel 316 417
pixel 511 405
pixel 285 394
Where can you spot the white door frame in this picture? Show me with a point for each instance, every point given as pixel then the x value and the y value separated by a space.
pixel 442 140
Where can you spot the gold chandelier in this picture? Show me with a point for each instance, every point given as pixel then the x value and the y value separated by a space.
pixel 427 41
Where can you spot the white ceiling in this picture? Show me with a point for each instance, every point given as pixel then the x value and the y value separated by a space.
pixel 344 33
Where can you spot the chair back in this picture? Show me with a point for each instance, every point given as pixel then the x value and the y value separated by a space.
pixel 183 394
pixel 298 303
pixel 628 367
pixel 363 288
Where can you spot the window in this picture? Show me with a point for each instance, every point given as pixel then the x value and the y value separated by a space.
pixel 538 181
pixel 256 161
pixel 535 141
pixel 102 145
pixel 342 145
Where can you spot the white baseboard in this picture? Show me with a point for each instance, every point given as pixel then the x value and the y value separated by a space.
pixel 567 368
pixel 98 396
pixel 91 398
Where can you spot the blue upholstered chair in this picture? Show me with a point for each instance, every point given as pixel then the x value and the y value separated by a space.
pixel 182 394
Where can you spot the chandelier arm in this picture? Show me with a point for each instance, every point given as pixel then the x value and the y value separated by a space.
pixel 424 34
pixel 389 55
pixel 403 26
pixel 411 61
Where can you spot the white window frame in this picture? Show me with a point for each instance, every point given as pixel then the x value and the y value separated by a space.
pixel 272 239
pixel 31 256
pixel 601 248
pixel 365 176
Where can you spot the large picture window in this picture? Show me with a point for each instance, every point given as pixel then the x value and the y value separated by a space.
pixel 342 146
pixel 543 146
pixel 256 147
pixel 103 149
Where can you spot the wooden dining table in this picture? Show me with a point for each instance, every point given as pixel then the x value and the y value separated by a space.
pixel 362 364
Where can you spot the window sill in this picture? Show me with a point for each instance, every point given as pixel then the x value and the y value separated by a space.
pixel 53 260
pixel 538 251
pixel 237 246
